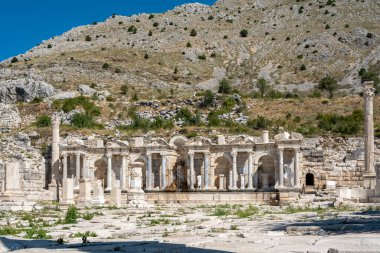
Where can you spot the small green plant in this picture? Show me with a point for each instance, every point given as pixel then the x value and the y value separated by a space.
pixel 193 33
pixel 14 60
pixel 43 121
pixel 234 227
pixel 244 33
pixel 85 234
pixel 88 216
pixel 224 86
pixel 8 230
pixel 71 215
pixel 105 66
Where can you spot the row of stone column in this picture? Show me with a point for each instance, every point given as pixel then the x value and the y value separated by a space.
pixel 83 172
pixel 149 172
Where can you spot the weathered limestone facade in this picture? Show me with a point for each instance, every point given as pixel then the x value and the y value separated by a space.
pixel 89 171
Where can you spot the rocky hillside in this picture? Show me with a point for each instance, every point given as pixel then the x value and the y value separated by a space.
pixel 290 43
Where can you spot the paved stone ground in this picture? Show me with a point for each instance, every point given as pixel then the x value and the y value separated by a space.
pixel 200 229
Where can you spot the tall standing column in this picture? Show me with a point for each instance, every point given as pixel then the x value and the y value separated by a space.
pixel 250 186
pixel 109 172
pixel 122 171
pixel 368 94
pixel 77 169
pixel 191 155
pixel 296 168
pixel 149 172
pixel 64 174
pixel 281 167
pixel 55 150
pixel 234 170
pixel 163 176
pixel 207 170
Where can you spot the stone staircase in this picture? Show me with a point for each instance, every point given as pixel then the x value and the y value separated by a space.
pixel 317 200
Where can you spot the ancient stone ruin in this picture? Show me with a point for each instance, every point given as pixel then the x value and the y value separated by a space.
pixel 89 171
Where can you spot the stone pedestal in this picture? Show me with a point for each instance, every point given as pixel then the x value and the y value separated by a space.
pixel 98 193
pixel 12 177
pixel 221 182
pixel 242 181
pixel 135 195
pixel 199 182
pixel 369 180
pixel 115 199
pixel 67 192
pixel 288 195
pixel 84 199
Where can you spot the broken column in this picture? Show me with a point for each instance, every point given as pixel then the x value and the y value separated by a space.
pixel 115 199
pixel 135 195
pixel 67 192
pixel 84 199
pixel 98 193
pixel 369 145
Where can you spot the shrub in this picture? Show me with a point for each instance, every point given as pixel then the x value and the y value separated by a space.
pixel 88 216
pixel 88 38
pixel 193 33
pixel 262 86
pixel 43 121
pixel 14 60
pixel 327 26
pixel 82 120
pixel 151 16
pixel 105 66
pixel 150 33
pixel 329 84
pixel 259 123
pixel 49 46
pixel 202 57
pixel 350 124
pixel 8 230
pixel 303 67
pixel 71 215
pixel 369 35
pixel 244 33
pixel 146 56
pixel 188 44
pixel 155 24
pixel 224 86
pixel 124 89
pixel 208 98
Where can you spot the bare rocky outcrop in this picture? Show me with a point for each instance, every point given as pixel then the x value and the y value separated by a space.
pixel 24 90
pixel 9 116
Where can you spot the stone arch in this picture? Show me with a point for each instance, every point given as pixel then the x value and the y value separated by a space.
pixel 223 165
pixel 267 171
pixel 309 179
pixel 136 163
pixel 310 173
pixel 100 173
pixel 178 140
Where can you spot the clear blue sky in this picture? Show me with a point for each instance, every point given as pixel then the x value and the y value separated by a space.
pixel 25 23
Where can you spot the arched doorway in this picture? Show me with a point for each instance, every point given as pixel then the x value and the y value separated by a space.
pixel 266 173
pixel 101 171
pixel 179 174
pixel 310 180
pixel 223 166
pixel 139 167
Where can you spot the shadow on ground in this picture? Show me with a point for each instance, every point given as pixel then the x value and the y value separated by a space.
pixel 113 246
pixel 360 222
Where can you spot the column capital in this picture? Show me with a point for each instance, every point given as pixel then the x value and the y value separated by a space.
pixel 191 153
pixel 109 155
pixel 65 154
pixel 368 90
pixel 234 152
pixel 280 149
pixel 77 154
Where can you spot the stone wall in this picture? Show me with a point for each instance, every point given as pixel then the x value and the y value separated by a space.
pixel 16 153
pixel 334 159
